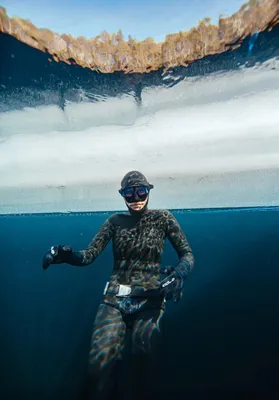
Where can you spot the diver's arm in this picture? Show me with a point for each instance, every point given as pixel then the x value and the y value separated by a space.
pixel 82 258
pixel 180 243
pixel 95 247
pixel 172 286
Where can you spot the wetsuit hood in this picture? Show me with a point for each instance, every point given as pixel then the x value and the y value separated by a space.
pixel 135 178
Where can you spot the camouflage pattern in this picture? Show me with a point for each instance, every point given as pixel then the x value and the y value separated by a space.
pixel 107 345
pixel 138 242
pixel 108 339
pixel 134 178
pixel 137 248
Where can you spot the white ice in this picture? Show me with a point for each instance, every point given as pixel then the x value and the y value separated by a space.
pixel 207 142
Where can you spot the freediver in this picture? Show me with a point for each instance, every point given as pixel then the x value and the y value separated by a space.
pixel 135 297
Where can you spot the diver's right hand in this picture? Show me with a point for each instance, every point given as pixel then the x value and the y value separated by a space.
pixel 56 255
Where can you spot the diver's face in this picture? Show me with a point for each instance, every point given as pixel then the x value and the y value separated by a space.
pixel 136 197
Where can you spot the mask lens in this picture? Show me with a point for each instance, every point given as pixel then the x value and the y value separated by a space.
pixel 128 193
pixel 141 192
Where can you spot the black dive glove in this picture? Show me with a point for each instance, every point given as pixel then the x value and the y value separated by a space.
pixel 57 255
pixel 172 286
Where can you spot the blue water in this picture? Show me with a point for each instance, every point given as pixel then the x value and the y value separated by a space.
pixel 221 339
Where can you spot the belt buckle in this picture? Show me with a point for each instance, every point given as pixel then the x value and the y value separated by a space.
pixel 123 291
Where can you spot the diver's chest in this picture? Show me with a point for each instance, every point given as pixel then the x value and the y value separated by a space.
pixel 145 233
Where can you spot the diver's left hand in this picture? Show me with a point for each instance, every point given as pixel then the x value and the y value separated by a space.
pixel 172 286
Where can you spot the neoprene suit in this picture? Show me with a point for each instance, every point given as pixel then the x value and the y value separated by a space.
pixel 138 241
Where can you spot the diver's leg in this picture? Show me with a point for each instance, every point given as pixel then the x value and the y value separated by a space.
pixel 146 355
pixel 106 348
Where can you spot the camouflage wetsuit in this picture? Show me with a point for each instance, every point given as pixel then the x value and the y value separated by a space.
pixel 138 240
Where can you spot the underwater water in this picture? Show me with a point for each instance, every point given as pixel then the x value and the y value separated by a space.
pixel 221 339
pixel 207 137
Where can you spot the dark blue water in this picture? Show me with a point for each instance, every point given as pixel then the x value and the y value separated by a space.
pixel 221 340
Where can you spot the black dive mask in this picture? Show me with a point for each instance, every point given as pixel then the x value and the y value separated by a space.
pixel 135 194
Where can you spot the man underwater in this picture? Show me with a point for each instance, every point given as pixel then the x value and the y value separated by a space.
pixel 135 296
